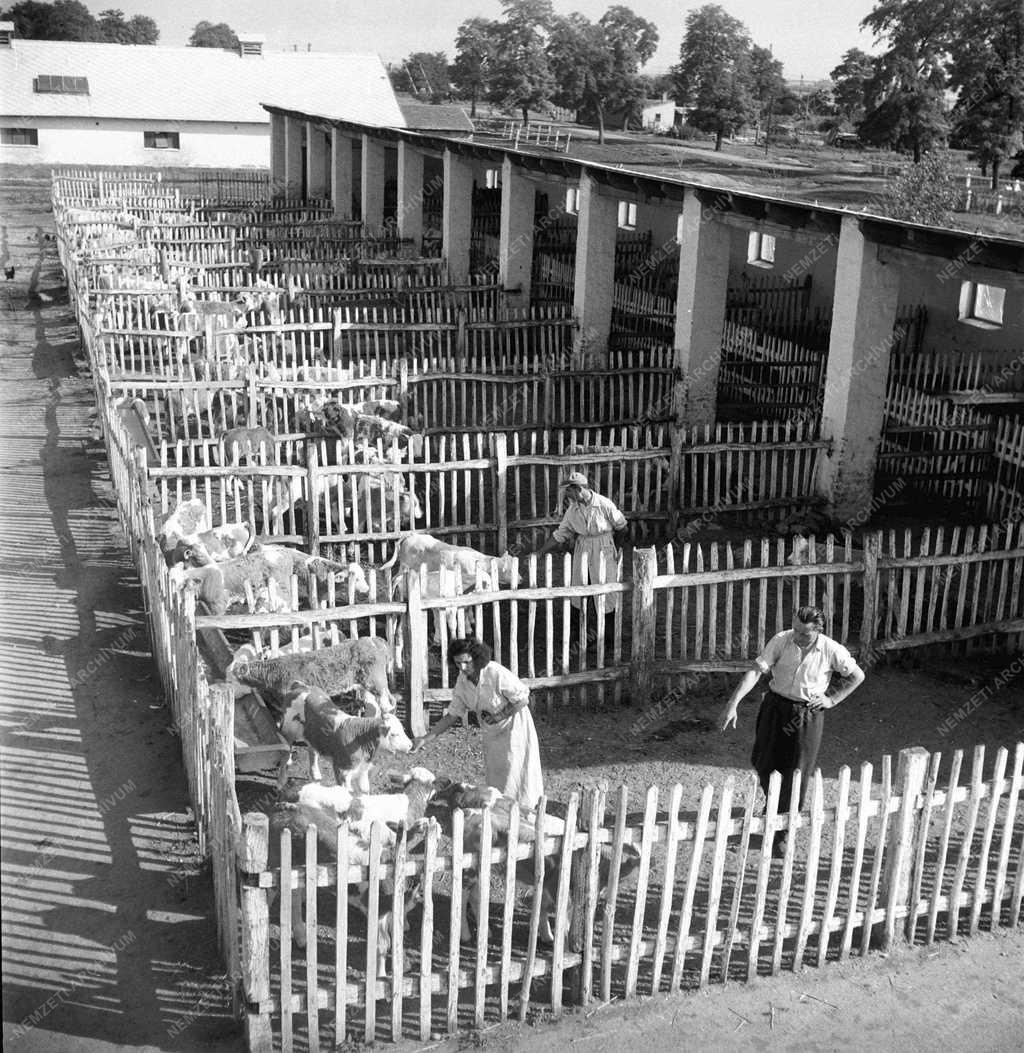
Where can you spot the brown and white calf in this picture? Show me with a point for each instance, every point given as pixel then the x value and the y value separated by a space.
pixel 349 743
pixel 363 666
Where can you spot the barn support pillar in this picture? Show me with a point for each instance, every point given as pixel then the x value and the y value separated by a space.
pixel 316 161
pixel 860 344
pixel 373 184
pixel 596 234
pixel 293 170
pixel 277 152
pixel 410 193
pixel 515 250
pixel 700 311
pixel 341 174
pixel 457 216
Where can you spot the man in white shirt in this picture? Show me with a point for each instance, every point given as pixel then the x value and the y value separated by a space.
pixel 787 736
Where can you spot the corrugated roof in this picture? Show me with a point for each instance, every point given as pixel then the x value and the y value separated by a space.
pixel 433 116
pixel 195 84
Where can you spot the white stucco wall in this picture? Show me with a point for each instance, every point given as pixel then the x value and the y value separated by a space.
pixel 114 142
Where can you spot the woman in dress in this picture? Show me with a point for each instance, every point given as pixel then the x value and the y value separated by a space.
pixel 501 702
pixel 594 526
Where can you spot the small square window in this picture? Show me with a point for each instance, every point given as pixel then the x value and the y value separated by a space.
pixel 572 200
pixel 627 215
pixel 493 178
pixel 161 140
pixel 761 249
pixel 982 305
pixel 19 137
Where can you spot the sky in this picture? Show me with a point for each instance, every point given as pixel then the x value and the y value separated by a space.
pixel 809 38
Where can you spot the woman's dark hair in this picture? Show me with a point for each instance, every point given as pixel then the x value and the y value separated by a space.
pixel 476 649
pixel 809 615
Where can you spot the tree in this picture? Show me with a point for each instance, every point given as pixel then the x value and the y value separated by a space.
pixel 924 192
pixel 63 20
pixel 424 74
pixel 906 106
pixel 138 30
pixel 905 98
pixel 849 84
pixel 988 71
pixel 476 44
pixel 633 41
pixel 522 74
pixel 713 74
pixel 596 65
pixel 767 85
pixel 213 35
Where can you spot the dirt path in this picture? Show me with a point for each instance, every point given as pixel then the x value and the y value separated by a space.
pixel 102 936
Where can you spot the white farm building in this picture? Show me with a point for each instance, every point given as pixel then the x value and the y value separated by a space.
pixel 114 104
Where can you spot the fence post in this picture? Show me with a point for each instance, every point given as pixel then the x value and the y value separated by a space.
pixel 549 398
pixel 403 388
pixel 578 902
pixel 251 410
pixel 675 475
pixel 415 647
pixel 312 520
pixel 501 489
pixel 252 860
pixel 872 544
pixel 460 337
pixel 645 568
pixel 903 835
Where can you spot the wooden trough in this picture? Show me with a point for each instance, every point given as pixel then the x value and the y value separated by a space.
pixel 259 744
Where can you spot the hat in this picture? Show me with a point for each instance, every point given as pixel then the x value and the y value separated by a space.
pixel 574 479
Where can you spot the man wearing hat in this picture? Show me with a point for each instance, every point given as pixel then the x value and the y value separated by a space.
pixel 591 524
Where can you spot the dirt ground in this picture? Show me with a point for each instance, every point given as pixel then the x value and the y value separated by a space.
pixel 79 733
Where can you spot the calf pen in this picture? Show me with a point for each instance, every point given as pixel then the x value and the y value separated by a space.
pixel 918 857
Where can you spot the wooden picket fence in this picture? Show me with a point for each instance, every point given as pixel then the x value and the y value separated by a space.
pixel 941 448
pixel 481 489
pixel 687 896
pixel 1005 487
pixel 765 376
pixel 982 377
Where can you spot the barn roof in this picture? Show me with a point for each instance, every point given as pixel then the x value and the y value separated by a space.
pixel 192 84
pixel 433 116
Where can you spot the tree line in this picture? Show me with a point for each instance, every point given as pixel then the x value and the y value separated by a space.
pixel 71 20
pixel 948 71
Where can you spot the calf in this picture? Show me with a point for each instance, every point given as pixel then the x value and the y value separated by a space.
pixel 350 743
pixel 473 800
pixel 212 546
pixel 223 584
pixel 450 570
pixel 325 808
pixel 249 443
pixel 186 522
pixel 363 665
pixel 424 550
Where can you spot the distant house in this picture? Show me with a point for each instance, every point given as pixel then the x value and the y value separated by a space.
pixel 656 115
pixel 64 102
